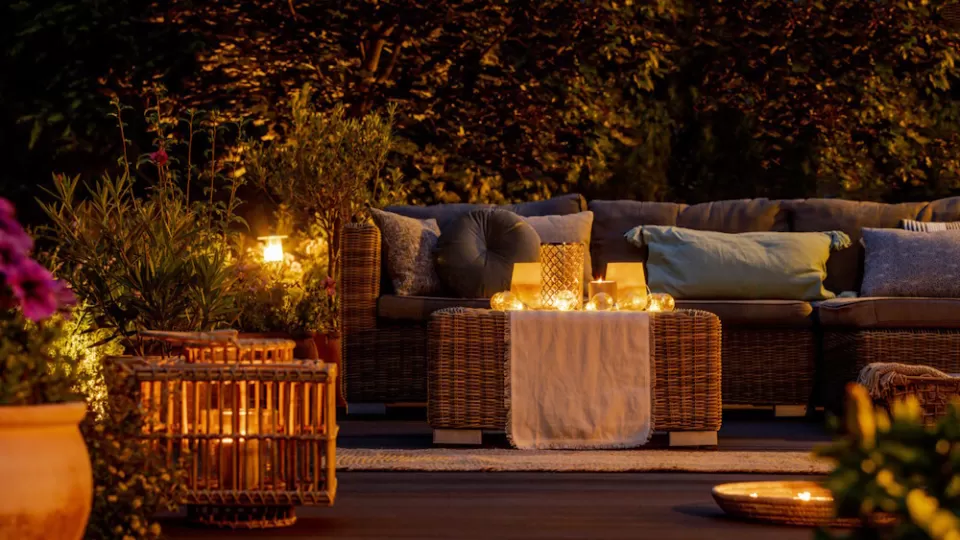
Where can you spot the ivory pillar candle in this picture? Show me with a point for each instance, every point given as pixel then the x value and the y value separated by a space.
pixel 602 286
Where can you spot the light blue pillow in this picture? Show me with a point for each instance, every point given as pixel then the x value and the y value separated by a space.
pixel 692 264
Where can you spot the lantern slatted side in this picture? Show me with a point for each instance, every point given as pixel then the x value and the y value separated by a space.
pixel 244 351
pixel 245 436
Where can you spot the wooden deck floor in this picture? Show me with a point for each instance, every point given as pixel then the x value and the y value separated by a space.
pixel 380 505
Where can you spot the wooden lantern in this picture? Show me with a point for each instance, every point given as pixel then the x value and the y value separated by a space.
pixel 226 347
pixel 254 441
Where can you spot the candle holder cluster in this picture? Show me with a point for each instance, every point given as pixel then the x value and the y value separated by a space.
pixel 253 440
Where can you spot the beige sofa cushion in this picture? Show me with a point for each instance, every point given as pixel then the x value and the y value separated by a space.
pixel 845 267
pixel 886 312
pixel 419 308
pixel 612 219
pixel 792 313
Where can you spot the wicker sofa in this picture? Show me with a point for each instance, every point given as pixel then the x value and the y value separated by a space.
pixel 782 353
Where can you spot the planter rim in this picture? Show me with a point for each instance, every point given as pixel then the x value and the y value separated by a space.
pixel 47 414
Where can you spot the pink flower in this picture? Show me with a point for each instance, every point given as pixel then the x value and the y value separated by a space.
pixel 159 157
pixel 39 294
pixel 12 234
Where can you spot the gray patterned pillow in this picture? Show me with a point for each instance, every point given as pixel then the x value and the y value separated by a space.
pixel 907 263
pixel 409 250
pixel 929 226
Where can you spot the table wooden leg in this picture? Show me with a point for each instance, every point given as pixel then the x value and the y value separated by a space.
pixel 458 436
pixel 693 438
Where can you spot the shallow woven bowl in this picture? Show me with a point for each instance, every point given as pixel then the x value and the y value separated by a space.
pixel 788 503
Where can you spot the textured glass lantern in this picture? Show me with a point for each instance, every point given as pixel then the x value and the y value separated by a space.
pixel 562 275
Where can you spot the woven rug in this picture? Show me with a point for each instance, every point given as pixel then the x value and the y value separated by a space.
pixel 505 460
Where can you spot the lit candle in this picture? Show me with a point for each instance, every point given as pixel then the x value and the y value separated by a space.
pixel 601 286
pixel 272 248
pixel 249 452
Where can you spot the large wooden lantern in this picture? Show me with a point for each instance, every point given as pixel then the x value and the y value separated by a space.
pixel 253 441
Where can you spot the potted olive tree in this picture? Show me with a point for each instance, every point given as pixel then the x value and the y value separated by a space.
pixel 47 481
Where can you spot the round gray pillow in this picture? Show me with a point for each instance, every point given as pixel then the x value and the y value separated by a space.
pixel 475 254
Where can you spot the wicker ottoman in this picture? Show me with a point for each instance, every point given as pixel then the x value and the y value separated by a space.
pixel 465 375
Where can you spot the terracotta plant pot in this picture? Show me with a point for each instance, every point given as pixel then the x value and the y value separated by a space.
pixel 47 480
pixel 328 350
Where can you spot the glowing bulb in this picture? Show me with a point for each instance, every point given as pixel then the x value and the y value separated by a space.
pixel 272 248
pixel 804 495
pixel 505 301
pixel 565 300
pixel 753 495
pixel 602 301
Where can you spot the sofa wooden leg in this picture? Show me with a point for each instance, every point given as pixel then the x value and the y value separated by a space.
pixel 367 409
pixel 789 411
pixel 693 438
pixel 458 436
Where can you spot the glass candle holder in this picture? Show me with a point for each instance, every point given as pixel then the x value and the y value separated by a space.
pixel 562 275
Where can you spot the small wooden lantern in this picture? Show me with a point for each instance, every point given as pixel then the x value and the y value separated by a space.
pixel 254 440
pixel 226 347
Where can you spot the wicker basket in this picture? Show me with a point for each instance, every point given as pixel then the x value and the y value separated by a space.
pixel 933 393
pixel 787 502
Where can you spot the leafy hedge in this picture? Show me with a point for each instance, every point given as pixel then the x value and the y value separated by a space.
pixel 653 99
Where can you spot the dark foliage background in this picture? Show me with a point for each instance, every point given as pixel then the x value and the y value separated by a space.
pixel 655 99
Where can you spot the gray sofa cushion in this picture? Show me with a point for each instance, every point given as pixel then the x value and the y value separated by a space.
pixel 612 219
pixel 475 255
pixel 445 214
pixel 419 308
pixel 941 210
pixel 911 264
pixel 889 313
pixel 845 267
pixel 792 313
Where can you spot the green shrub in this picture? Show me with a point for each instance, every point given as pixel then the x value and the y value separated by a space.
pixel 895 464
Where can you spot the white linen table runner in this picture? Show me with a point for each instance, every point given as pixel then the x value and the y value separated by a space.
pixel 578 379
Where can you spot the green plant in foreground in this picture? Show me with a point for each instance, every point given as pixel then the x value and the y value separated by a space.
pixel 893 463
pixel 154 261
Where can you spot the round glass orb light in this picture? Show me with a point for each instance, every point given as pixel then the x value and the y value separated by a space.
pixel 505 301
pixel 602 302
pixel 661 302
pixel 634 301
pixel 565 300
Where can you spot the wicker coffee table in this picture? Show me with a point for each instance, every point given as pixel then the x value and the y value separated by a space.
pixel 467 355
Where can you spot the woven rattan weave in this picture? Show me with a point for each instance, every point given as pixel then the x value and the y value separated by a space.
pixel 467 358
